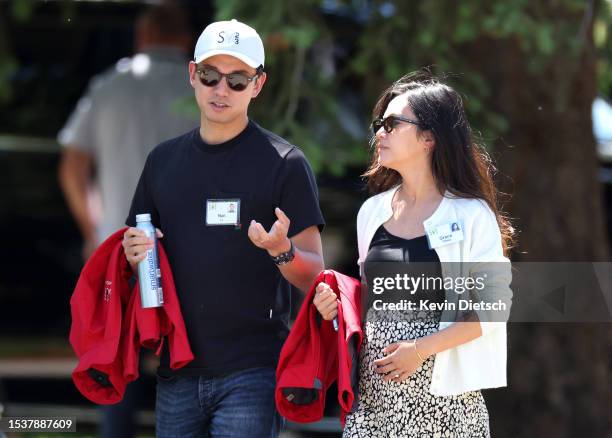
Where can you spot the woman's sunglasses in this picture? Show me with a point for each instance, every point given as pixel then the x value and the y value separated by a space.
pixel 390 122
pixel 236 81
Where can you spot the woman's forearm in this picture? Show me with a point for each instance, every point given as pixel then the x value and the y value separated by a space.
pixel 456 334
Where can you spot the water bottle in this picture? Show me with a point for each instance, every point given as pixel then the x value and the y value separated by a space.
pixel 149 275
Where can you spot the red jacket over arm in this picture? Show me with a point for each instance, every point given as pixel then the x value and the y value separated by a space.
pixel 315 355
pixel 109 326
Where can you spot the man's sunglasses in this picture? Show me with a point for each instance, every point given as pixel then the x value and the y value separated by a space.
pixel 390 122
pixel 236 81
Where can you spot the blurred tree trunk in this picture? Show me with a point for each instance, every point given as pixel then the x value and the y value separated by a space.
pixel 552 160
pixel 560 375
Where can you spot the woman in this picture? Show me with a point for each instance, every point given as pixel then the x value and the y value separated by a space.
pixel 421 372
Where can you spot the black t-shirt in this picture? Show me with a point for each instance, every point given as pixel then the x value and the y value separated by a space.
pixel 234 300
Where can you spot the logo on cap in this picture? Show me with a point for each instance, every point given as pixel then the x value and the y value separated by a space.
pixel 221 38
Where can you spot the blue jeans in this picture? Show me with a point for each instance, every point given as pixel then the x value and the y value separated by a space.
pixel 237 405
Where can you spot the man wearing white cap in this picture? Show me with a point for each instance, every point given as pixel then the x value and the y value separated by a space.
pixel 223 196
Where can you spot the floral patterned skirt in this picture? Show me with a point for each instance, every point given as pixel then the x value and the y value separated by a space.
pixel 407 409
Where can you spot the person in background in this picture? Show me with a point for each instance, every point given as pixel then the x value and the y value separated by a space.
pixel 126 111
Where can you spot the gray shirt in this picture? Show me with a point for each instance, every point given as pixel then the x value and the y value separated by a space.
pixel 127 111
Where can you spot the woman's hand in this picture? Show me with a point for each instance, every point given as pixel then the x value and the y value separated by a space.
pixel 326 301
pixel 401 361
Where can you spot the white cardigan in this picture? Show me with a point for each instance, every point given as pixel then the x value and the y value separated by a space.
pixel 480 363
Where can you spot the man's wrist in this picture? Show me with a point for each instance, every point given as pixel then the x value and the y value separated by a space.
pixel 284 257
pixel 281 248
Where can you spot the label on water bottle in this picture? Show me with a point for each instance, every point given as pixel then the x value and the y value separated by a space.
pixel 149 273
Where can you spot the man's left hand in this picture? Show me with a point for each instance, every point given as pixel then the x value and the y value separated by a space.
pixel 276 241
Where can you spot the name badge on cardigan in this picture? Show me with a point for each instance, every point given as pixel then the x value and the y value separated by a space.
pixel 222 212
pixel 444 234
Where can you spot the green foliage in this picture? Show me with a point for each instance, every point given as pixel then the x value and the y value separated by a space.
pixel 602 35
pixel 21 10
pixel 8 67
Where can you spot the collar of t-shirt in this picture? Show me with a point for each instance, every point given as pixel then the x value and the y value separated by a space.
pixel 225 146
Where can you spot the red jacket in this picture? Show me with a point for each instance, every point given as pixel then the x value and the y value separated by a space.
pixel 314 355
pixel 109 326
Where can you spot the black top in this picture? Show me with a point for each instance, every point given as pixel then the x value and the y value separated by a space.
pixel 389 256
pixel 386 247
pixel 234 301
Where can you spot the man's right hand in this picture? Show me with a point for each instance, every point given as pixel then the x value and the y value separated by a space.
pixel 136 244
pixel 326 301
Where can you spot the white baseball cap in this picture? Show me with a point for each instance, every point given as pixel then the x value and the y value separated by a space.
pixel 230 38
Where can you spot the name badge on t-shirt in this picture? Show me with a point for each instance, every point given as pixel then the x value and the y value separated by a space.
pixel 444 234
pixel 223 212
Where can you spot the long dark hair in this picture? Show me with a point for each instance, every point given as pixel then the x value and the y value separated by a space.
pixel 458 163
